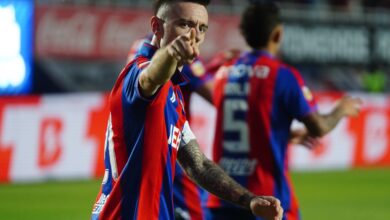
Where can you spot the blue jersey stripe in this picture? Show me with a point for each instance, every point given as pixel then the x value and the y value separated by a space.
pixel 134 113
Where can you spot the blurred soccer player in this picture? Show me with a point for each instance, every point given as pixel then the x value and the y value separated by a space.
pixel 257 97
pixel 148 129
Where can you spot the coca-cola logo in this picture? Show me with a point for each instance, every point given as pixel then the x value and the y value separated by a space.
pixel 88 32
pixel 75 34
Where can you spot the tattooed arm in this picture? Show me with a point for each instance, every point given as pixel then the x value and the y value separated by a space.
pixel 211 177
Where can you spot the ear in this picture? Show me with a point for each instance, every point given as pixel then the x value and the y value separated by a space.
pixel 156 26
pixel 277 34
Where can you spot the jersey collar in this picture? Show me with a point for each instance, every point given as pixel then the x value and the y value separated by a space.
pixel 262 53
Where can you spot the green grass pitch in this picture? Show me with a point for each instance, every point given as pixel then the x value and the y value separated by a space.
pixel 357 195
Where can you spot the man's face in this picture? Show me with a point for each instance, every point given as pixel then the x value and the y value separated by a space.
pixel 178 18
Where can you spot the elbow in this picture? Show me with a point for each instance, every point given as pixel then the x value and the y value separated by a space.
pixel 318 131
pixel 316 125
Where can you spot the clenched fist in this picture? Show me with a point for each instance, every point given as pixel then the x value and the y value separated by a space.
pixel 267 207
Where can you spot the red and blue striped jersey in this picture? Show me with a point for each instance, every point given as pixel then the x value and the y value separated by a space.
pixel 142 140
pixel 186 194
pixel 257 97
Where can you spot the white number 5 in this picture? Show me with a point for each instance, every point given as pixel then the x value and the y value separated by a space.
pixel 238 142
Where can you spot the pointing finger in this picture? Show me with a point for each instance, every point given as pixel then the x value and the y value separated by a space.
pixel 192 36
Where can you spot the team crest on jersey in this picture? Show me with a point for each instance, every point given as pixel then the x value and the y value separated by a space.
pixel 174 137
pixel 197 68
pixel 307 93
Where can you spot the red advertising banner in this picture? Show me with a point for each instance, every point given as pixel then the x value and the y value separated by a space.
pixel 88 32
pixel 63 136
pixel 107 33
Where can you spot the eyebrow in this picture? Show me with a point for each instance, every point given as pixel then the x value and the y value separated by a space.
pixel 193 22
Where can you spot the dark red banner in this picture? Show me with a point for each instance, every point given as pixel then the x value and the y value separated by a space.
pixel 86 32
pixel 107 33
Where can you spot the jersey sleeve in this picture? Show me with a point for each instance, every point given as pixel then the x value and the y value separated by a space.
pixel 131 87
pixel 296 97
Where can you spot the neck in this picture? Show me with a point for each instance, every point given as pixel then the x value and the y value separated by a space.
pixel 271 49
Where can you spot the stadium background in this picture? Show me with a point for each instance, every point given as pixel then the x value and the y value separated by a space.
pixel 58 60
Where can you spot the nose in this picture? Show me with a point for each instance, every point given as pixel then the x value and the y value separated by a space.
pixel 198 35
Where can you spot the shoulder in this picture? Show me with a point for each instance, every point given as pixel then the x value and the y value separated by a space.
pixel 290 72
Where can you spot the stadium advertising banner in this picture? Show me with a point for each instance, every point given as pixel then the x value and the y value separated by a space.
pixel 62 136
pixel 88 32
pixel 104 33
pixel 52 137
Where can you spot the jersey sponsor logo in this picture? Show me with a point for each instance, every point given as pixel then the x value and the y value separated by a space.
pixel 174 137
pixel 97 208
pixel 259 71
pixel 238 166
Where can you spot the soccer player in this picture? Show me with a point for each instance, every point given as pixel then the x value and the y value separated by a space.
pixel 187 196
pixel 257 97
pixel 147 127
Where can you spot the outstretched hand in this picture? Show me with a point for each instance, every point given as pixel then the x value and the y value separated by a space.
pixel 350 106
pixel 267 207
pixel 184 48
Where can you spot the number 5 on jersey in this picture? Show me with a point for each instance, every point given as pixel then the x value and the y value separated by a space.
pixel 235 127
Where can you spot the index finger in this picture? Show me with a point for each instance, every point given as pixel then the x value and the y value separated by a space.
pixel 192 35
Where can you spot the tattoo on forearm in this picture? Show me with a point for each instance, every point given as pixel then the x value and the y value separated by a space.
pixel 333 119
pixel 211 177
pixel 319 125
